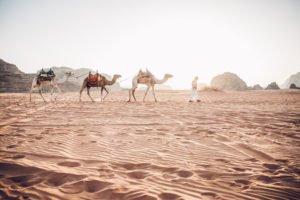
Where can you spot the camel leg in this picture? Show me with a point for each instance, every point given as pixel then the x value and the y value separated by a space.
pixel 33 85
pixel 88 93
pixel 81 90
pixel 129 93
pixel 146 93
pixel 40 92
pixel 153 92
pixel 32 88
pixel 102 94
pixel 58 90
pixel 133 91
pixel 106 93
pixel 30 95
pixel 52 88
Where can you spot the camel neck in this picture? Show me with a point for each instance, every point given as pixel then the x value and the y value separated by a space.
pixel 160 81
pixel 111 82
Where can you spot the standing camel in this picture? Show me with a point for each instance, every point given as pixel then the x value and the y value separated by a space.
pixel 38 82
pixel 148 79
pixel 97 80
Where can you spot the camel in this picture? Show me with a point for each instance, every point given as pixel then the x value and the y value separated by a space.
pixel 38 83
pixel 97 80
pixel 148 79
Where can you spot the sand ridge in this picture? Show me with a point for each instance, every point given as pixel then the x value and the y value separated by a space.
pixel 232 145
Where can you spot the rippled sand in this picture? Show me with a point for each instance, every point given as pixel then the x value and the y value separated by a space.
pixel 232 145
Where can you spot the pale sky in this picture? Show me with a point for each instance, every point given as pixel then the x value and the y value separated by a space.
pixel 257 39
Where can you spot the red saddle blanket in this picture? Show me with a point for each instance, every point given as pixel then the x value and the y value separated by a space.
pixel 94 78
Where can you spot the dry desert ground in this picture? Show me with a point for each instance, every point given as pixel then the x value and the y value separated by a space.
pixel 232 145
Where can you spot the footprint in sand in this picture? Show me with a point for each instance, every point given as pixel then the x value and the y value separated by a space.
pixel 251 159
pixel 38 137
pixel 242 181
pixel 222 160
pixel 209 195
pixel 185 174
pixel 18 157
pixel 282 160
pixel 132 166
pixel 59 179
pixel 26 180
pixel 138 174
pixel 208 175
pixel 264 179
pixel 169 196
pixel 11 146
pixel 91 186
pixel 69 164
pixel 239 169
pixel 271 166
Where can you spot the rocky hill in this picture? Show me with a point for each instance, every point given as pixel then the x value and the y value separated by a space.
pixel 293 79
pixel 12 79
pixel 228 81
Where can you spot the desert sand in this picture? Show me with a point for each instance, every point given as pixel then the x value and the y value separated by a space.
pixel 232 145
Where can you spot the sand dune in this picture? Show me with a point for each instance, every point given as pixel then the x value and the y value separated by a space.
pixel 232 145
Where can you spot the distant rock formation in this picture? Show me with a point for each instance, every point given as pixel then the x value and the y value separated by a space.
pixel 273 86
pixel 228 81
pixel 12 79
pixel 293 86
pixel 293 79
pixel 8 68
pixel 257 87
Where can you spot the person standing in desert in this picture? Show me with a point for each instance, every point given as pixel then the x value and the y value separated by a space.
pixel 194 96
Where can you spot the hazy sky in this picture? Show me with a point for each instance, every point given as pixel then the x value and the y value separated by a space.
pixel 257 39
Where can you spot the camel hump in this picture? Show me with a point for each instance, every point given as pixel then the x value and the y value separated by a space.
pixel 46 71
pixel 45 74
pixel 146 74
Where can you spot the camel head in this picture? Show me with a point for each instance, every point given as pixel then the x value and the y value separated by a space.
pixel 69 74
pixel 116 76
pixel 167 76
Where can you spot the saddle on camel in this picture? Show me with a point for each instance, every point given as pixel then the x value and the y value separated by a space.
pixel 45 75
pixel 144 75
pixel 94 80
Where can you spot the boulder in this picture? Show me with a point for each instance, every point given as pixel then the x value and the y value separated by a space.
pixel 273 86
pixel 257 87
pixel 228 81
pixel 293 86
pixel 293 79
